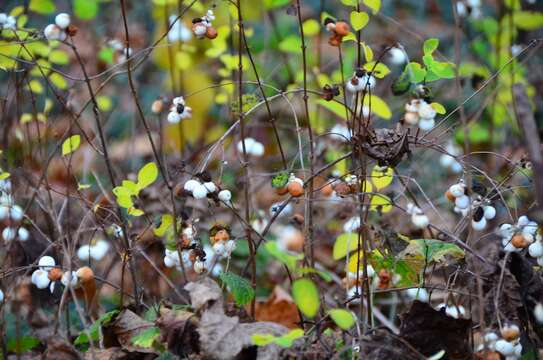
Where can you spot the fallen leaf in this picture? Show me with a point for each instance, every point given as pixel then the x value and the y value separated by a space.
pixel 278 308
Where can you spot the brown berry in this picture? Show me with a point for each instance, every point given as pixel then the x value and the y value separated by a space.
pixel 519 241
pixel 281 191
pixel 211 33
pixel 449 196
pixel 54 274
pixel 295 189
pixel 71 30
pixel 85 274
pixel 510 332
pixel 342 28
pixel 334 40
pixel 298 219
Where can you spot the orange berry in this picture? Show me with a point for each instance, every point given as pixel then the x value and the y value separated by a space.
pixel 85 274
pixel 327 189
pixel 295 189
pixel 211 33
pixel 519 241
pixel 281 191
pixel 342 28
pixel 449 196
pixel 54 274
pixel 334 40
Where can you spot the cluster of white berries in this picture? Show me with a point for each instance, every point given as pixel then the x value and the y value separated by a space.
pixel 188 255
pixel 179 111
pixel 361 81
pixel 47 274
pixel 481 210
pixel 200 190
pixel 520 236
pixel 252 147
pixel 12 213
pixel 202 27
pixel 418 218
pixel 122 53
pixel 419 112
pixel 7 22
pixel 455 311
pixel 448 161
pixel 95 250
pixel 509 345
pixel 220 239
pixel 58 30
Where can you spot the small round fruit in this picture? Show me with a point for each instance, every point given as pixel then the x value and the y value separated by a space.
pixel 342 28
pixel 462 202
pixel 510 332
pixel 457 190
pixel 411 118
pixel 85 274
pixel 479 225
pixel 335 40
pixel 211 33
pixel 295 189
pixel 199 267
pixel 157 106
pixel 536 250
pixel 504 347
pixel 54 274
pixel 327 190
pixel 519 241
pixel 449 195
pixel 281 191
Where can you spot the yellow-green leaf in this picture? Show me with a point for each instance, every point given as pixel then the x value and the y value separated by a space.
pixel 440 109
pixel 311 27
pixel 374 5
pixel 36 87
pixel 379 70
pixel 71 144
pixel 378 106
pixel 306 297
pixel 345 243
pixel 147 175
pixel 359 20
pixel 59 57
pixel 58 80
pixel 380 202
pixel 104 103
pixel 42 6
pixel 380 177
pixel 343 318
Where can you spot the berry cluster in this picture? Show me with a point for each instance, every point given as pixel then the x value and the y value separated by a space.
pixel 122 53
pixel 60 29
pixel 520 236
pixel 96 250
pixel 223 245
pixel 11 214
pixel 191 252
pixel 7 22
pixel 203 187
pixel 48 274
pixel 360 81
pixel 508 345
pixel 419 112
pixel 338 31
pixel 179 111
pixel 201 27
pixel 482 211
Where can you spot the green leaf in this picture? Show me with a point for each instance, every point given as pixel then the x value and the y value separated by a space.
pixel 344 244
pixel 71 144
pixel 401 84
pixel 343 318
pixel 381 178
pixel 165 223
pixel 58 80
pixel 379 70
pixel 311 27
pixel 288 339
pixel 43 7
pixel 512 4
pixel 335 107
pixel 280 180
pixel 272 4
pixel 381 203
pixel 359 20
pixel 291 44
pixel 430 46
pixel 378 106
pixel 35 86
pixel 306 297
pixel 104 103
pixel 22 344
pixel 416 72
pixel 131 187
pixel 146 338
pixel 262 339
pixel 431 250
pixel 288 259
pixel 350 2
pixel 95 327
pixel 374 5
pixel 325 275
pixel 86 9
pixel 4 175
pixel 528 20
pixel 440 109
pixel 239 287
pixel 147 175
pixel 106 55
pixel 59 57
